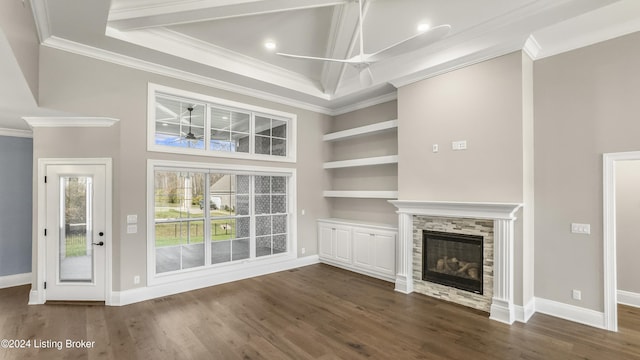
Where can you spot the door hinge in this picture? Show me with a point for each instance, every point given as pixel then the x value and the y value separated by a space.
pixel 45 285
pixel 45 179
pixel 45 232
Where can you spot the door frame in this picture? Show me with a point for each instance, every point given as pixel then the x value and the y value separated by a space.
pixel 609 232
pixel 38 293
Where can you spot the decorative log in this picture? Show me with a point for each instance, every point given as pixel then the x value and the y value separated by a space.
pixel 473 273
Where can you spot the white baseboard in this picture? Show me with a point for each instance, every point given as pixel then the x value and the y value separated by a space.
pixel 629 298
pixel 524 313
pixel 120 298
pixel 570 312
pixel 15 280
pixel 35 298
pixel 385 277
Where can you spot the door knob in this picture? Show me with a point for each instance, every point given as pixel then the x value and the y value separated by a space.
pixel 101 243
pixel 101 233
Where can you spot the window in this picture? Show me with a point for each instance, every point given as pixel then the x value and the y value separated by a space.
pixel 189 123
pixel 203 216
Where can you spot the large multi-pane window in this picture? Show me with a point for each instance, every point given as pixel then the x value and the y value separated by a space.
pixel 209 217
pixel 183 122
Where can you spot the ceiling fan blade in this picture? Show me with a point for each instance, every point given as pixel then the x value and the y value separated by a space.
pixel 366 77
pixel 344 61
pixel 413 43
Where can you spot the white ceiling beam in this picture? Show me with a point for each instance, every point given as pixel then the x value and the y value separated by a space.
pixel 343 39
pixel 343 25
pixel 154 16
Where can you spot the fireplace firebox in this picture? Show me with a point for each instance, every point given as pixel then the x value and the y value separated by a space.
pixel 453 260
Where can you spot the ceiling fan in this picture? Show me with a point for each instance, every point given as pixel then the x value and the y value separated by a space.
pixel 362 61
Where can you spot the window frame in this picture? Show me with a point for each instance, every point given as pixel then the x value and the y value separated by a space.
pixel 209 269
pixel 210 101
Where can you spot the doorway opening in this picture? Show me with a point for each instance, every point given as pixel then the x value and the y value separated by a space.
pixel 610 163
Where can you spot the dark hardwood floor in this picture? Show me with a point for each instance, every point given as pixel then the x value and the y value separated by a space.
pixel 316 312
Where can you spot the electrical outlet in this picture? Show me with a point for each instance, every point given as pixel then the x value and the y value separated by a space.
pixel 576 294
pixel 302 212
pixel 132 229
pixel 132 219
pixel 136 279
pixel 435 148
pixel 303 250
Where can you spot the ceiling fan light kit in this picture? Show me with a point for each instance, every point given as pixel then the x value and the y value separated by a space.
pixel 362 62
pixel 190 135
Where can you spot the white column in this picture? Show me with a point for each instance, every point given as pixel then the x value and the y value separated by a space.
pixel 502 308
pixel 404 254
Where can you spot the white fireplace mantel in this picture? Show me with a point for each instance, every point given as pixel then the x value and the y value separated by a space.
pixel 503 216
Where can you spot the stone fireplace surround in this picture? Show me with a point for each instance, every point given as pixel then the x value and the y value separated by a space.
pixel 503 217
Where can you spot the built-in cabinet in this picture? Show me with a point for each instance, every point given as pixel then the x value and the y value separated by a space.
pixel 362 247
pixel 335 242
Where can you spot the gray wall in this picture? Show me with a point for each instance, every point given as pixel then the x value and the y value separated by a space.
pixel 19 27
pixel 627 218
pixel 489 105
pixel 586 104
pixel 90 87
pixel 481 104
pixel 379 177
pixel 16 162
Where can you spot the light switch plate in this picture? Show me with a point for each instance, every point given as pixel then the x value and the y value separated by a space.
pixel 132 229
pixel 459 145
pixel 132 219
pixel 581 228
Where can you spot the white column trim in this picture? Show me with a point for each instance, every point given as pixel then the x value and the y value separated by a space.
pixel 404 254
pixel 502 307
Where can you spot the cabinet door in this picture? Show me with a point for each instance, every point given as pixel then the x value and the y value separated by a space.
pixel 343 244
pixel 385 253
pixel 325 241
pixel 362 248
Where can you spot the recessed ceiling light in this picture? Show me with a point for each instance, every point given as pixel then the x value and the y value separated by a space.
pixel 225 118
pixel 165 124
pixel 422 27
pixel 270 45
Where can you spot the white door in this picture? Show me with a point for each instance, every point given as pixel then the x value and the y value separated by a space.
pixel 75 232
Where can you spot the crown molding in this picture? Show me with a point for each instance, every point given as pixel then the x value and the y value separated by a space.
pixel 561 44
pixel 366 103
pixel 458 63
pixel 41 16
pixel 61 121
pixel 131 62
pixel 16 133
pixel 187 47
pixel 531 47
pixel 152 15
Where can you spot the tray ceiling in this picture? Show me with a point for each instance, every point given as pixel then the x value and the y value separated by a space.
pixel 220 42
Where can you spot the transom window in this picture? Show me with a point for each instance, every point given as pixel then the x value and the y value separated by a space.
pixel 204 217
pixel 189 123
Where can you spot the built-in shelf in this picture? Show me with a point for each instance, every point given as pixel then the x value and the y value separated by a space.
pixel 380 160
pixel 363 130
pixel 361 194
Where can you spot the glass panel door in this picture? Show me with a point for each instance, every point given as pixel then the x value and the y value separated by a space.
pixel 76 223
